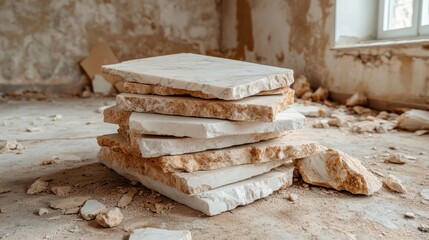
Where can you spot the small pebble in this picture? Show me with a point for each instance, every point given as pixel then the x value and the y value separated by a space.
pixel 292 197
pixel 409 215
pixel 424 227
pixel 43 211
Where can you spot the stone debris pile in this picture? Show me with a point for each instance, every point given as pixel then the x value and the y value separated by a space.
pixel 210 133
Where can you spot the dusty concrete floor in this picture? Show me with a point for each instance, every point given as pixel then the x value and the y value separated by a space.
pixel 318 214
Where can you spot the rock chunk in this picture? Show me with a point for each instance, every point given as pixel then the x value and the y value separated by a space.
pixel 398 158
pixel 155 234
pixel 334 169
pixel 66 204
pixel 301 86
pixel 414 120
pixel 43 211
pixel 320 95
pixel 394 184
pixel 11 146
pixel 424 227
pixel 127 198
pixel 111 218
pixel 62 190
pixel 37 187
pixel 91 209
pixel 357 99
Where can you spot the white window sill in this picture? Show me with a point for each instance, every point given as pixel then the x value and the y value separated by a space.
pixel 382 43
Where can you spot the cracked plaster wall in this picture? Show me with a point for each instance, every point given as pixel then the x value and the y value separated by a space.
pixel 41 42
pixel 299 34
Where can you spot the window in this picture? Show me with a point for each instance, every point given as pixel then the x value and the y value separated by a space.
pixel 403 18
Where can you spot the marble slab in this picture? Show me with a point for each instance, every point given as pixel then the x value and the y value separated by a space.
pixel 139 88
pixel 289 147
pixel 188 183
pixel 219 77
pixel 220 199
pixel 156 146
pixel 251 109
pixel 179 126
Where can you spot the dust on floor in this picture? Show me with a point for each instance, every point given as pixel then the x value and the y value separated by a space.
pixel 66 129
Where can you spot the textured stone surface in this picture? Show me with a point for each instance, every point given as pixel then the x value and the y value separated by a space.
pixel 91 209
pixel 288 147
pixel 188 183
pixel 116 115
pixel 47 39
pixel 148 123
pixel 139 88
pixel 37 186
pixel 252 109
pixel 220 199
pixel 334 169
pixel 414 120
pixel 111 218
pixel 222 78
pixel 156 234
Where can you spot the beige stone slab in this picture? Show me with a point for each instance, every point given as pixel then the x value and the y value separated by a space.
pixel 155 146
pixel 251 109
pixel 219 77
pixel 289 147
pixel 217 200
pixel 116 115
pixel 140 88
pixel 188 183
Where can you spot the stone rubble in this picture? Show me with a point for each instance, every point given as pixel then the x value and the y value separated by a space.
pixel 215 140
pixel 61 190
pixel 37 187
pixel 394 184
pixel 11 146
pixel 357 99
pixel 91 209
pixel 43 211
pixel 111 218
pixel 127 198
pixel 414 120
pixel 66 204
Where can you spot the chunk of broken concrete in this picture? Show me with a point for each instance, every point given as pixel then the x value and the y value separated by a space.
pixel 301 86
pixel 43 211
pixel 111 218
pixel 188 183
pixel 37 187
pixel 221 199
pixel 251 109
pixel 394 184
pixel 179 126
pixel 91 209
pixel 62 190
pixel 68 203
pixel 127 198
pixel 357 99
pixel 139 88
pixel 414 120
pixel 155 234
pixel 334 169
pixel 398 158
pixel 290 147
pixel 194 72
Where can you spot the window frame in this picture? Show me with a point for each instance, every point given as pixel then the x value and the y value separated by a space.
pixel 423 29
pixel 416 29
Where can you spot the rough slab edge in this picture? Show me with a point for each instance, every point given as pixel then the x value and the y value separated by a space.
pixel 221 199
pixel 187 183
pixel 269 82
pixel 141 88
pixel 194 107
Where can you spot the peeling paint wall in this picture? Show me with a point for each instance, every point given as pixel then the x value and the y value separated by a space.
pixel 41 42
pixel 299 34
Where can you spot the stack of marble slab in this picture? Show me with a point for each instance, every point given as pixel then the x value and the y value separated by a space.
pixel 207 132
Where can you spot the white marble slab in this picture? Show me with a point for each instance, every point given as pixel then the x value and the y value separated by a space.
pixel 221 199
pixel 188 183
pixel 155 146
pixel 179 126
pixel 224 78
